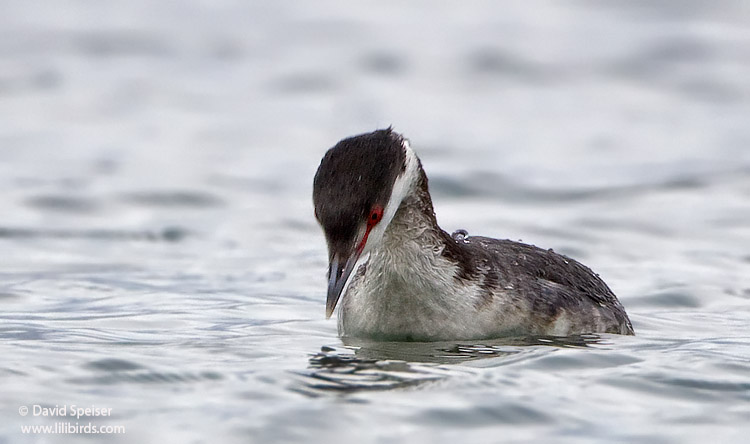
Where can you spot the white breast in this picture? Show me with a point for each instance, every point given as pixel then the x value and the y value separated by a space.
pixel 411 293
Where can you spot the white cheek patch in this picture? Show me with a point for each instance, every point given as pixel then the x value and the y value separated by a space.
pixel 401 188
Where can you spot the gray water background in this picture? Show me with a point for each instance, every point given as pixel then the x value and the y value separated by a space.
pixel 159 256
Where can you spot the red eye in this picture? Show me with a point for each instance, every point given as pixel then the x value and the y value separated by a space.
pixel 375 215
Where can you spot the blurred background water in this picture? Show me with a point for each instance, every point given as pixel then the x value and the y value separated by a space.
pixel 160 257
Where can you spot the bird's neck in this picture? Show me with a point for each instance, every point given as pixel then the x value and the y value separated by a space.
pixel 413 235
pixel 408 285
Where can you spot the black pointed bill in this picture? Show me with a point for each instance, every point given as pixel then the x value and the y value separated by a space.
pixel 338 273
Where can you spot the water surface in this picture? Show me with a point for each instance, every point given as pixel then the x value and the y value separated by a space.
pixel 160 257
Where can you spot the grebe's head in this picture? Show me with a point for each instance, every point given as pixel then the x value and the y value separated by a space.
pixel 357 190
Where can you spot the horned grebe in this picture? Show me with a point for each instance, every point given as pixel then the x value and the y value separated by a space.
pixel 422 284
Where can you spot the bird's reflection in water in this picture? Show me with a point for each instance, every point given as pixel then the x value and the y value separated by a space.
pixel 364 365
